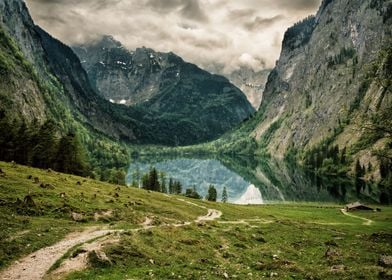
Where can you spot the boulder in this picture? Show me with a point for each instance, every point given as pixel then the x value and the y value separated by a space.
pixel 385 261
pixel 77 217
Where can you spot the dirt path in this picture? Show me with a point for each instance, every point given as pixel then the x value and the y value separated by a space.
pixel 367 222
pixel 35 265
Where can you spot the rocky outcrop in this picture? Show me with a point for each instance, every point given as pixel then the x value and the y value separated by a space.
pixel 177 93
pixel 43 79
pixel 252 83
pixel 326 81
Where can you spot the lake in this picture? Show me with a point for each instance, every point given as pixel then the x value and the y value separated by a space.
pixel 251 181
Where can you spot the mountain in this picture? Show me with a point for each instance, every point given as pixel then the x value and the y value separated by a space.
pixel 174 91
pixel 43 80
pixel 251 83
pixel 328 100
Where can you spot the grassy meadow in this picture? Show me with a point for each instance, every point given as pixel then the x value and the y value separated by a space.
pixel 283 241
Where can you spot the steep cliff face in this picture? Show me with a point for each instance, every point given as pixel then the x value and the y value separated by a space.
pixel 43 79
pixel 325 82
pixel 251 83
pixel 177 93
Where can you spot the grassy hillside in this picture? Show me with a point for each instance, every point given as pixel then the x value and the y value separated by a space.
pixel 287 241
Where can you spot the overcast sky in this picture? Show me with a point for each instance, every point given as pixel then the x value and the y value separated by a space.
pixel 230 33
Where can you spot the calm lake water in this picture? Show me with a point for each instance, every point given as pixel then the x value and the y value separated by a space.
pixel 250 181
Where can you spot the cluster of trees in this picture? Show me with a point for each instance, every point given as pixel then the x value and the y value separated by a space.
pixel 43 147
pixel 157 181
pixel 212 194
pixel 299 34
pixel 328 160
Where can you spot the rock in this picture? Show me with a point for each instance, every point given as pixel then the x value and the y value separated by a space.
pixel 259 238
pixel 47 186
pixel 226 275
pixel 385 261
pixel 151 261
pixel 338 268
pixel 98 259
pixel 331 253
pixel 77 217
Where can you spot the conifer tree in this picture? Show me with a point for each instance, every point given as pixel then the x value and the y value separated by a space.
pixel 162 177
pixel 211 196
pixel 224 195
pixel 71 157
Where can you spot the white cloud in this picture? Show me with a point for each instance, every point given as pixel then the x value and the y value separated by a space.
pixel 210 33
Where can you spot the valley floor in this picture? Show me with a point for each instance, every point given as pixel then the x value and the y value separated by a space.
pixel 59 226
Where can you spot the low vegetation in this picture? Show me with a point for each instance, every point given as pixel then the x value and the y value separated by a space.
pixel 300 241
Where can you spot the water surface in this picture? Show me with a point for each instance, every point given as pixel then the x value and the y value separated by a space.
pixel 250 181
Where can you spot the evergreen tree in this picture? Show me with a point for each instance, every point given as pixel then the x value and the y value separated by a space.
pixel 192 193
pixel 212 194
pixel 177 187
pixel 145 182
pixel 162 177
pixel 153 180
pixel 44 151
pixel 71 157
pixel 224 195
pixel 171 186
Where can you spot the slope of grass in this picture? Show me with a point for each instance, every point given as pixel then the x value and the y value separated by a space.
pixel 286 241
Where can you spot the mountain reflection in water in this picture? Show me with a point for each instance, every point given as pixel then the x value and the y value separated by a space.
pixel 250 181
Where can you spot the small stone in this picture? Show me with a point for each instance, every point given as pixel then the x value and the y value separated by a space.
pixel 330 253
pixel 77 217
pixel 151 261
pixel 226 275
pixel 338 268
pixel 385 261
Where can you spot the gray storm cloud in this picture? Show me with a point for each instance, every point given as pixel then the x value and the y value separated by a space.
pixel 219 35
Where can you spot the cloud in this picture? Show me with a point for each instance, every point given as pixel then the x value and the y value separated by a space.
pixel 219 35
pixel 261 23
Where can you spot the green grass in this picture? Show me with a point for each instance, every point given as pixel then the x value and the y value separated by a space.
pixel 287 241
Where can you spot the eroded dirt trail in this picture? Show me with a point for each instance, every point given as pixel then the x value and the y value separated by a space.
pixel 35 265
pixel 367 222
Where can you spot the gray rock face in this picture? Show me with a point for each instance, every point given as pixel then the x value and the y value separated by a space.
pixel 251 83
pixel 319 78
pixel 196 104
pixel 123 76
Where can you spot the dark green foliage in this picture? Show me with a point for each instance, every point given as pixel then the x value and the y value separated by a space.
pixel 150 180
pixel 359 171
pixel 224 195
pixel 192 193
pixel 212 194
pixel 70 156
pixel 42 148
pixel 299 34
pixel 162 182
pixel 326 159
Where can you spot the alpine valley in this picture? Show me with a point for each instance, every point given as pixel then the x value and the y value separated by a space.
pixel 113 159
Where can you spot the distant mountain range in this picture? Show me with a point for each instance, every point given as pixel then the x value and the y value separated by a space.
pixel 177 103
